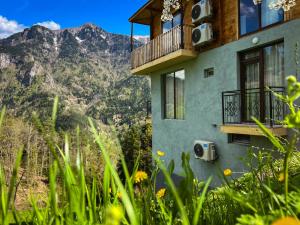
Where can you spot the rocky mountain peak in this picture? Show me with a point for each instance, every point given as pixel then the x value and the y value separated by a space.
pixel 90 25
pixel 86 66
pixel 43 44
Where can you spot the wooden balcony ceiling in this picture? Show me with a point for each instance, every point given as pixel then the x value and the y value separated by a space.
pixel 145 14
pixel 252 129
pixel 164 62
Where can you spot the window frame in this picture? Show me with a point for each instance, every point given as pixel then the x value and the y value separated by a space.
pixel 164 94
pixel 238 140
pixel 172 21
pixel 260 27
pixel 260 59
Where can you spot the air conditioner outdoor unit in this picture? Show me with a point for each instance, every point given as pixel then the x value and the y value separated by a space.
pixel 202 34
pixel 205 150
pixel 201 10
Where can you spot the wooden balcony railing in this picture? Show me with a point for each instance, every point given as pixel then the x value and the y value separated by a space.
pixel 180 37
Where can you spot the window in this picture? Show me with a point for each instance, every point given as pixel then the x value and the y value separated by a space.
pixel 255 17
pixel 168 25
pixel 239 139
pixel 174 95
pixel 260 68
pixel 209 72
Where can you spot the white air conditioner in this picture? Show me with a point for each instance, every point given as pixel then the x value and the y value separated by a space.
pixel 205 150
pixel 202 34
pixel 201 10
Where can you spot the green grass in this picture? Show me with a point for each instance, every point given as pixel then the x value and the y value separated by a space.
pixel 259 197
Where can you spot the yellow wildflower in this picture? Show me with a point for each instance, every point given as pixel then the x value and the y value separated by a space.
pixel 286 221
pixel 140 176
pixel 119 195
pixel 281 177
pixel 114 215
pixel 161 153
pixel 161 193
pixel 227 172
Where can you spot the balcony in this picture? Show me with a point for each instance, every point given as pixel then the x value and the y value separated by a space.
pixel 239 106
pixel 167 49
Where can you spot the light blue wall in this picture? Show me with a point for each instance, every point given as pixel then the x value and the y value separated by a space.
pixel 203 102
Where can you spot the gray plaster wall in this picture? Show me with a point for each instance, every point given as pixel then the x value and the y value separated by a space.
pixel 203 103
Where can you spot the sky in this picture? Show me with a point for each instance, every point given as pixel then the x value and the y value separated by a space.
pixel 111 15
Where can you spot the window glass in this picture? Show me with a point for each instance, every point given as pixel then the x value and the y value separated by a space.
pixel 249 18
pixel 274 65
pixel 253 17
pixel 174 95
pixel 177 20
pixel 167 26
pixel 270 16
pixel 239 139
pixel 251 55
pixel 169 98
pixel 179 92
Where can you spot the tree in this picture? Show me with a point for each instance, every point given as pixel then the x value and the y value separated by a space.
pixel 136 143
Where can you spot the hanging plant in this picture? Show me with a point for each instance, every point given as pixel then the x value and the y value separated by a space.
pixel 286 5
pixel 169 5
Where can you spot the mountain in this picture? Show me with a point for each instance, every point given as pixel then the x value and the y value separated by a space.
pixel 87 67
pixel 142 39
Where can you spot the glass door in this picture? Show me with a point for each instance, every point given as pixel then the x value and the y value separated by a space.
pixel 171 34
pixel 251 88
pixel 260 69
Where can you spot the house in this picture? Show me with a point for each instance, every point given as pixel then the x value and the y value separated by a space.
pixel 208 90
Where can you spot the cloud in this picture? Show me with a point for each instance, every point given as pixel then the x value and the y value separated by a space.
pixel 248 10
pixel 9 27
pixel 50 25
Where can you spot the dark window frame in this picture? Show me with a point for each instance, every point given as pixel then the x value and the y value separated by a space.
pixel 164 89
pixel 209 72
pixel 234 139
pixel 260 59
pixel 260 27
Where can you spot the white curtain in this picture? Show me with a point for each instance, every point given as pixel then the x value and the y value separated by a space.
pixel 274 65
pixel 252 76
pixel 179 79
pixel 169 96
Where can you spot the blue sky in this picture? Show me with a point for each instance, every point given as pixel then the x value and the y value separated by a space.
pixel 111 15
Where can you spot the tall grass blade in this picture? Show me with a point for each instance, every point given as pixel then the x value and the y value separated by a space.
pixel 125 198
pixel 269 135
pixel 54 112
pixel 185 220
pixel 200 202
pixel 2 116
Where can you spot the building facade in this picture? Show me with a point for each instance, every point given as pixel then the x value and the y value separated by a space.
pixel 209 92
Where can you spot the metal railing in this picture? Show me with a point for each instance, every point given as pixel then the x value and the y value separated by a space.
pixel 179 37
pixel 240 106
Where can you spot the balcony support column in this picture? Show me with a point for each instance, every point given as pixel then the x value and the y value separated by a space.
pixel 151 26
pixel 131 38
pixel 182 9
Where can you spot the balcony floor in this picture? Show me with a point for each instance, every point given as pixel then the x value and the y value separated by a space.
pixel 252 129
pixel 166 61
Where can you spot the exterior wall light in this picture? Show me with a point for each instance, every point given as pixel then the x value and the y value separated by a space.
pixel 255 40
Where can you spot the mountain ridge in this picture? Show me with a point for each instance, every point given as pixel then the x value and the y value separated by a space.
pixel 82 65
